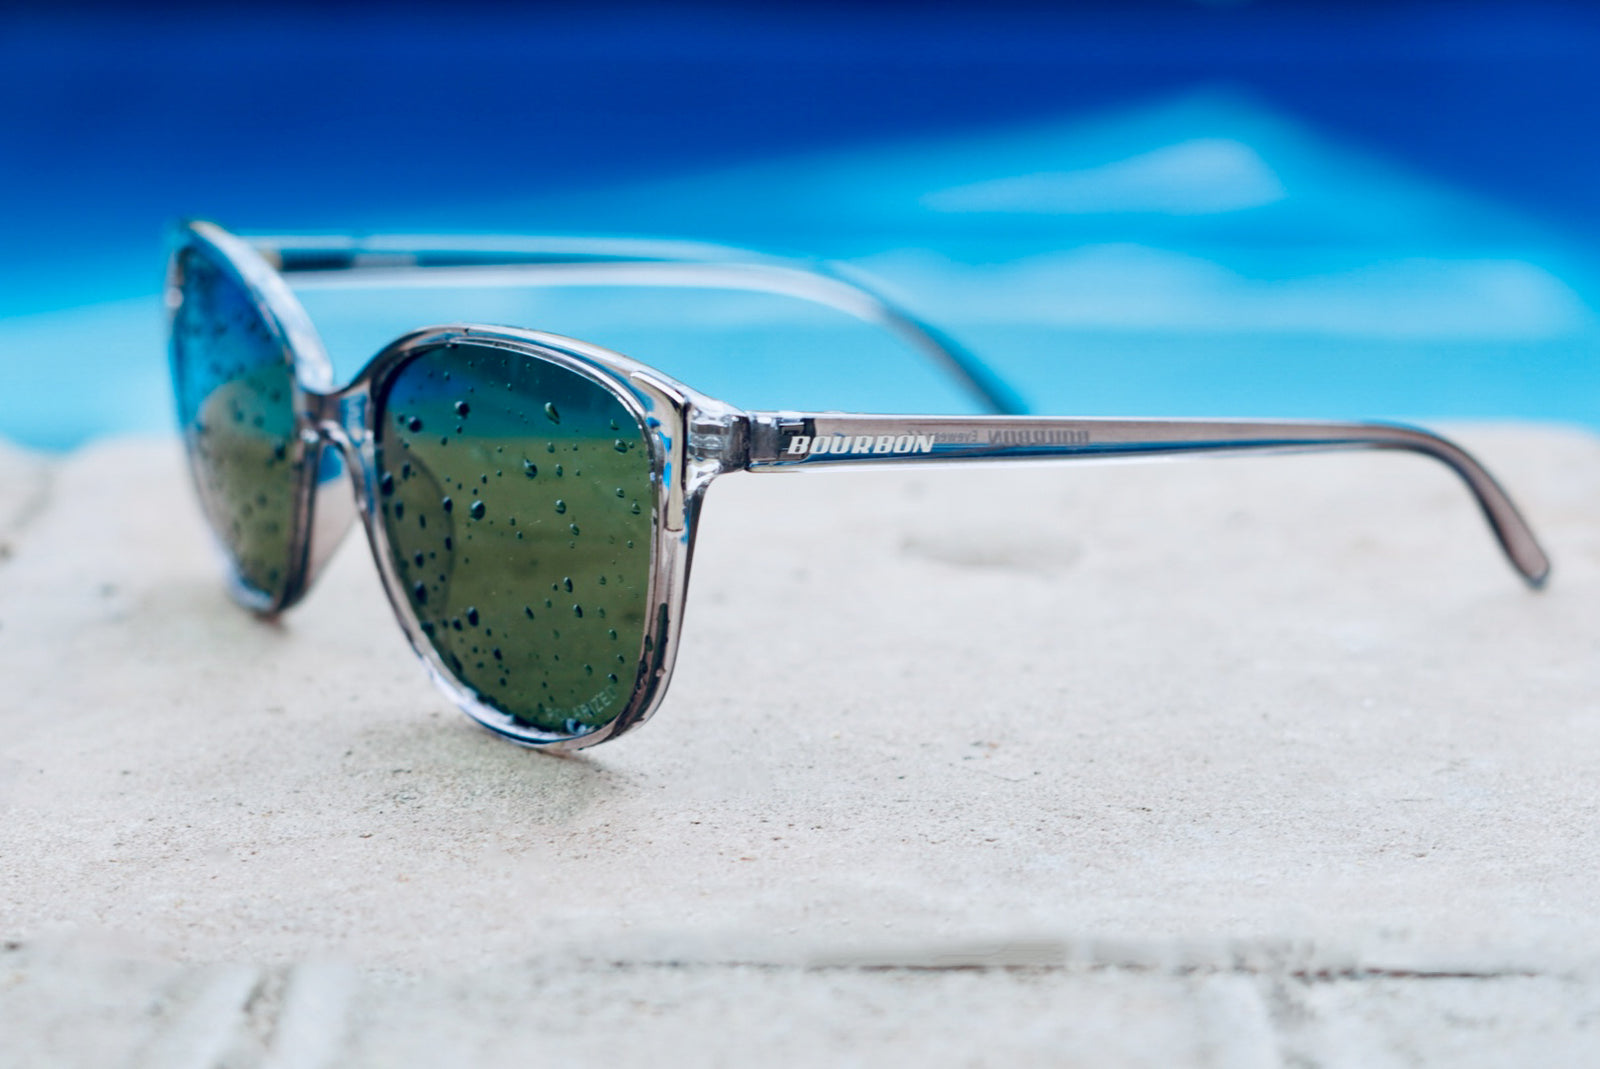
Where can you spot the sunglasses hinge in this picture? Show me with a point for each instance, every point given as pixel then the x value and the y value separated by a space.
pixel 720 436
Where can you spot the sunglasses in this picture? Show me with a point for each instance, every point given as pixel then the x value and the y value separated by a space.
pixel 531 501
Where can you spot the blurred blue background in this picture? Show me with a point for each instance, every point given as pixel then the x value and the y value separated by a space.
pixel 1135 208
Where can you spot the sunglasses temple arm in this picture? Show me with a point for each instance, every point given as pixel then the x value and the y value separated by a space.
pixel 786 441
pixel 317 263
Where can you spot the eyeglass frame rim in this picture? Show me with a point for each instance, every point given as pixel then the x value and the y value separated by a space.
pixel 346 419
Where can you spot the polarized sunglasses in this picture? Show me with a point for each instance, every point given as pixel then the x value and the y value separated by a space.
pixel 531 501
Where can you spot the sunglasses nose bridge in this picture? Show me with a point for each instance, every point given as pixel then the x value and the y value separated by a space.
pixel 337 422
pixel 340 417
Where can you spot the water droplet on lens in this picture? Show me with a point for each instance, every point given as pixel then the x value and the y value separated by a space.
pixel 415 424
pixel 620 446
pixel 635 508
pixel 399 510
pixel 577 610
pixel 559 472
pixel 477 510
pixel 386 484
pixel 447 505
pixel 561 506
pixel 530 469
pixel 462 408
pixel 418 560
pixel 551 413
pixel 613 633
pixel 472 615
pixel 573 528
pixel 420 593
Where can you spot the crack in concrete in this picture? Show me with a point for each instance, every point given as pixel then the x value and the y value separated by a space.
pixel 277 983
pixel 1364 973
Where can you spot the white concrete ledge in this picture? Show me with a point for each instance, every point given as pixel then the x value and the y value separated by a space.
pixel 1224 762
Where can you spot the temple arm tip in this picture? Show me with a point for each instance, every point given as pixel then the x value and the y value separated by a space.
pixel 1510 527
pixel 1535 571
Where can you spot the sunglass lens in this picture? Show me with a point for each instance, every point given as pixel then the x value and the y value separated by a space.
pixel 235 393
pixel 516 499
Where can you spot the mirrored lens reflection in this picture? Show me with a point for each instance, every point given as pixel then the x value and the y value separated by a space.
pixel 517 500
pixel 235 390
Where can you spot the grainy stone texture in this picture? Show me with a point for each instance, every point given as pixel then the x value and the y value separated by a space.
pixel 1253 762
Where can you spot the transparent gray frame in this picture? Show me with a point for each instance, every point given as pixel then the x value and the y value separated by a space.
pixel 693 438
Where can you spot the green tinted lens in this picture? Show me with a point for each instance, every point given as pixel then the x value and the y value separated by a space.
pixel 517 499
pixel 235 392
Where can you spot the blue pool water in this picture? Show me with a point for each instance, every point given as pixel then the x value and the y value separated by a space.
pixel 1135 209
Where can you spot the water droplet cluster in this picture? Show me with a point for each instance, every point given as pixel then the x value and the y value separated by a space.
pixel 530 577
